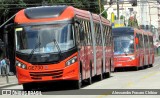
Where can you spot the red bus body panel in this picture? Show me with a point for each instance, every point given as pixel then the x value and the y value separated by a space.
pixel 125 61
pixel 57 71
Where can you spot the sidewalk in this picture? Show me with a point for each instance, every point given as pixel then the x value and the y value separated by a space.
pixel 12 81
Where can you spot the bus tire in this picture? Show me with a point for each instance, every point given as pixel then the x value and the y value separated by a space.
pixel 101 75
pixel 109 73
pixel 90 77
pixel 150 65
pixel 142 67
pixel 27 87
pixel 136 68
pixel 78 83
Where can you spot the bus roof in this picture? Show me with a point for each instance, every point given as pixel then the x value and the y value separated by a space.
pixel 54 13
pixel 44 14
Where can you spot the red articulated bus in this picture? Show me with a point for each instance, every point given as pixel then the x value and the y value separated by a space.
pixel 132 47
pixel 61 43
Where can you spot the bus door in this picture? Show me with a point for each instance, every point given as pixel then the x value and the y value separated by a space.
pixel 146 50
pixel 108 50
pixel 141 49
pixel 151 50
pixel 79 33
pixel 98 40
pixel 87 47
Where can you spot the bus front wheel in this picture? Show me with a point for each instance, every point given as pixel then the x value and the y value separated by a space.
pixel 78 83
pixel 136 68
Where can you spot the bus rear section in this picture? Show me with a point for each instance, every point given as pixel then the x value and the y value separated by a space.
pixel 124 47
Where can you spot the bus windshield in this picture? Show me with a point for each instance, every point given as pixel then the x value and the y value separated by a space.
pixel 41 38
pixel 123 44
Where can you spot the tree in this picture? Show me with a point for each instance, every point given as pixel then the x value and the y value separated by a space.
pixel 105 13
pixel 10 7
pixel 132 22
pixel 90 5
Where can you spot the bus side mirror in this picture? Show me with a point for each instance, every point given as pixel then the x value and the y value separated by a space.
pixel 137 40
pixel 11 25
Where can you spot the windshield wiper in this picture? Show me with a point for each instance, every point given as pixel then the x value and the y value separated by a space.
pixel 122 48
pixel 125 52
pixel 56 43
pixel 33 50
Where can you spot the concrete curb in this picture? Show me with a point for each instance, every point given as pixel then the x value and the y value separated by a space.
pixel 8 85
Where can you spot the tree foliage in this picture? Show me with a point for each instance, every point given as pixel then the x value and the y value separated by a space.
pixel 133 22
pixel 10 7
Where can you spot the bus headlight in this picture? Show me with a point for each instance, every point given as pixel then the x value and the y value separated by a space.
pixel 71 61
pixel 132 58
pixel 21 65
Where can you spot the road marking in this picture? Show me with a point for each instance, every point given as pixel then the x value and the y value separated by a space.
pixel 129 84
pixel 149 75
pixel 106 94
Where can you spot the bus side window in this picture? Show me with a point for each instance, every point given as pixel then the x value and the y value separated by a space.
pixel 85 32
pixel 77 33
pixel 110 33
pixel 146 42
pixel 95 35
pixel 137 45
pixel 108 36
pixel 89 33
pixel 141 41
pixel 105 35
pixel 98 39
pixel 151 41
pixel 82 32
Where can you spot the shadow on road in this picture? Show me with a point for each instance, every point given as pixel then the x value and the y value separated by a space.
pixel 62 86
pixel 128 69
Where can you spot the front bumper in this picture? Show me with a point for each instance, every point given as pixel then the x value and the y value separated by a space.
pixel 68 73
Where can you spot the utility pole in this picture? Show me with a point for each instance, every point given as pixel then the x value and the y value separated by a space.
pixel 105 10
pixel 149 15
pixel 7 21
pixel 99 1
pixel 117 9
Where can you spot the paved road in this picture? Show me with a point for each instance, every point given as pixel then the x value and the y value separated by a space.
pixel 148 78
